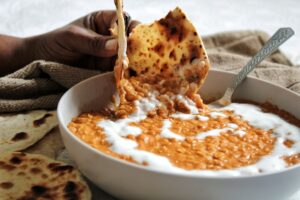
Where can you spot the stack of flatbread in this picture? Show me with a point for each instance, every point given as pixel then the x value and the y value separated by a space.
pixel 29 175
pixel 23 130
pixel 32 176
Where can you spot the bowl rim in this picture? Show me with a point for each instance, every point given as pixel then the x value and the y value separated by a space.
pixel 182 175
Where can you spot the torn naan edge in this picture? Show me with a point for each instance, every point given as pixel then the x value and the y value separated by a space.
pixel 122 61
pixel 121 64
pixel 19 131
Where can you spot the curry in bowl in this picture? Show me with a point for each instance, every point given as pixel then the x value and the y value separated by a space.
pixel 158 120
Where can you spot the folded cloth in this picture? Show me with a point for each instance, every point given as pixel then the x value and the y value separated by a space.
pixel 40 84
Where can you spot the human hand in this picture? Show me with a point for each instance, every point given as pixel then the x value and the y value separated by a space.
pixel 86 42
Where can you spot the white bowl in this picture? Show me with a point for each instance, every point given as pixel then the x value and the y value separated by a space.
pixel 129 181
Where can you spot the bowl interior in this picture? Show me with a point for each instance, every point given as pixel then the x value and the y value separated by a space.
pixel 89 95
pixel 108 172
pixel 94 93
pixel 251 89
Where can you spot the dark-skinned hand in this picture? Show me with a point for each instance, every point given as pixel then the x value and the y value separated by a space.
pixel 86 42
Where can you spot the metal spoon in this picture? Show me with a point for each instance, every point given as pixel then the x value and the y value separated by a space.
pixel 282 35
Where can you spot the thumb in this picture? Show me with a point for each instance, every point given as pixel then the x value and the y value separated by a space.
pixel 90 43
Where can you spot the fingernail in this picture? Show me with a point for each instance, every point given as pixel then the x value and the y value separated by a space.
pixel 111 44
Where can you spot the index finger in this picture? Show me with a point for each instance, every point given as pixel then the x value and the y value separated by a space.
pixel 104 20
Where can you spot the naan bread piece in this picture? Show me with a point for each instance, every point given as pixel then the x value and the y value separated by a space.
pixel 122 61
pixel 168 57
pixel 122 105
pixel 19 131
pixel 168 53
pixel 31 176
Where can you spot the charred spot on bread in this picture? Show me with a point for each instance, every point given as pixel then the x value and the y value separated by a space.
pixel 69 187
pixel 15 160
pixel 159 49
pixel 35 170
pixel 20 136
pixel 132 72
pixel 173 25
pixel 39 122
pixel 62 168
pixel 172 55
pixel 39 190
pixel 6 185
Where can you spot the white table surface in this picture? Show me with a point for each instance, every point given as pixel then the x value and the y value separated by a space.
pixel 30 17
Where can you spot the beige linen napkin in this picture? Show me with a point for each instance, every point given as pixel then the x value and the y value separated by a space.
pixel 232 50
pixel 40 84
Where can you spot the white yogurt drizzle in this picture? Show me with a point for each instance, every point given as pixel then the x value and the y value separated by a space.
pixel 165 131
pixel 115 132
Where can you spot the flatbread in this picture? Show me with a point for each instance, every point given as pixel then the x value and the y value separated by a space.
pixel 19 131
pixel 169 53
pixel 122 61
pixel 50 145
pixel 31 176
pixel 120 101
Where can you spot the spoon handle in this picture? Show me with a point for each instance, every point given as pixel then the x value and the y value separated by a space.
pixel 282 35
